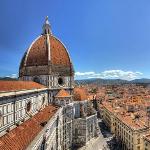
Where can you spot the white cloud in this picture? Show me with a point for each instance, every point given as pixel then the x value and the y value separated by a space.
pixel 110 74
pixel 84 73
pixel 13 76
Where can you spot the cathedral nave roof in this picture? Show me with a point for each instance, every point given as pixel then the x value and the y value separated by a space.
pixel 7 86
pixel 20 137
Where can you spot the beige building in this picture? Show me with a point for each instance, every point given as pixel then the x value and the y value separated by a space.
pixel 128 128
pixel 146 140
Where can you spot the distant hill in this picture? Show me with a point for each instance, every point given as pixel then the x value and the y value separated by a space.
pixel 111 81
pixel 8 79
pixel 97 81
pixel 141 80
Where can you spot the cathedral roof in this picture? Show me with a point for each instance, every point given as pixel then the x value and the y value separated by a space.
pixel 7 86
pixel 45 50
pixel 37 54
pixel 63 93
pixel 80 94
pixel 20 137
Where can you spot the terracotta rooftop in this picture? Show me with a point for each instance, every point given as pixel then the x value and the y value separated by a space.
pixel 20 137
pixel 91 96
pixel 63 93
pixel 6 86
pixel 38 53
pixel 126 117
pixel 80 94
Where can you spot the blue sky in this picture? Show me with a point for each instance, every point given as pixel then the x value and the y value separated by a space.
pixel 105 38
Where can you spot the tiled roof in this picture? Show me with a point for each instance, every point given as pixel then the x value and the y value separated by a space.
pixel 91 96
pixel 59 54
pixel 80 94
pixel 38 53
pixel 6 86
pixel 63 93
pixel 126 117
pixel 20 137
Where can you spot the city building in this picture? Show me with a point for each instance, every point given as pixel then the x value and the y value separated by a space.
pixel 125 111
pixel 43 111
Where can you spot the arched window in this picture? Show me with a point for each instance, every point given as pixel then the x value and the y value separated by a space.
pixel 1 118
pixel 43 144
pixel 28 107
pixel 43 100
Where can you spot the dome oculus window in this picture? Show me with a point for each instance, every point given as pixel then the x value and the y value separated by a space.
pixel 60 81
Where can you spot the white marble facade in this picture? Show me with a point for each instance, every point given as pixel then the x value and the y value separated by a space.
pixel 16 107
pixel 51 81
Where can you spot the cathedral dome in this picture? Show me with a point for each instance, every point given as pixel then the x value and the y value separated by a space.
pixel 48 51
pixel 37 54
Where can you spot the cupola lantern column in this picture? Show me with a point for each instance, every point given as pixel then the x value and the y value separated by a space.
pixel 46 27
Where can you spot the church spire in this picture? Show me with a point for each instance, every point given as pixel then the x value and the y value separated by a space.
pixel 46 27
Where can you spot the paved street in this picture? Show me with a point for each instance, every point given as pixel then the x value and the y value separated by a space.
pixel 109 138
pixel 105 141
pixel 97 144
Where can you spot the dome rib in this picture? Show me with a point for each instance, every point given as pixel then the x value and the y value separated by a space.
pixel 64 47
pixel 59 54
pixel 29 49
pixel 37 55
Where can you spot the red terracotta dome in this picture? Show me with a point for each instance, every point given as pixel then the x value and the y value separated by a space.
pixel 37 54
pixel 46 50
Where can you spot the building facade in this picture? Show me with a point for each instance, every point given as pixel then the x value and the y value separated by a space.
pixel 48 62
pixel 125 111
pixel 41 111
